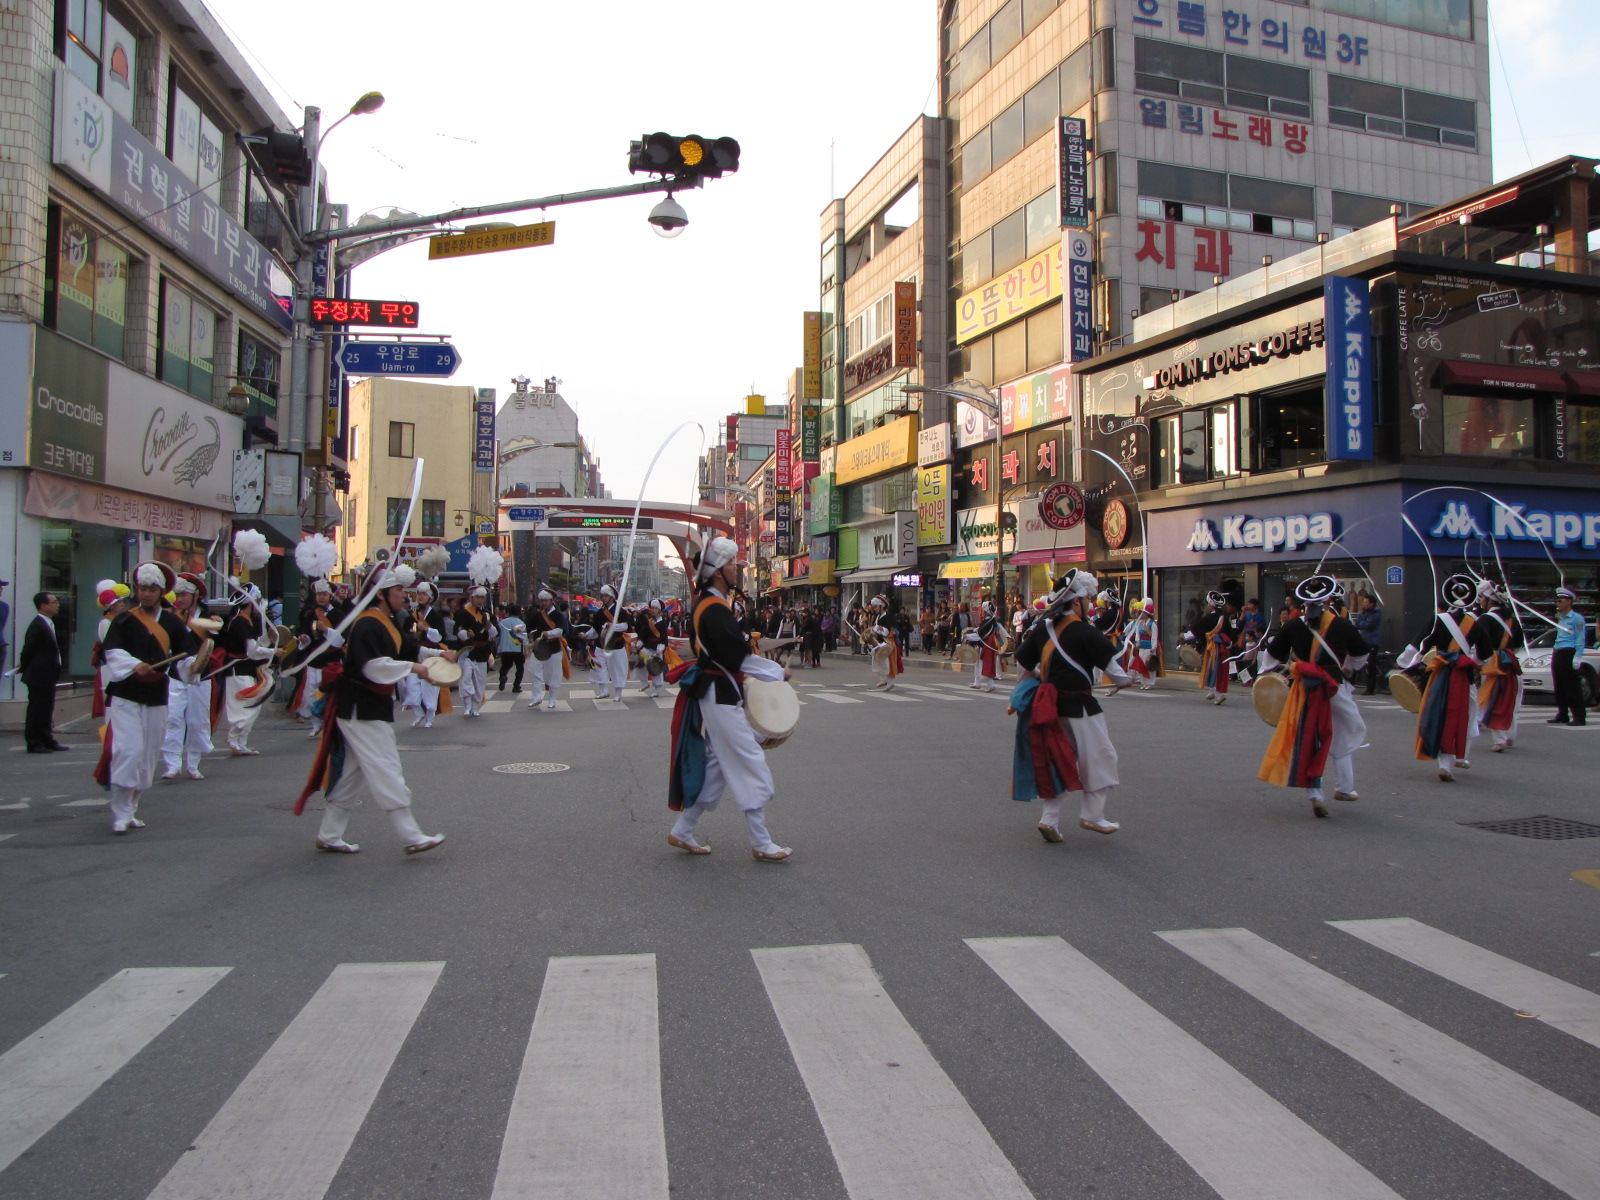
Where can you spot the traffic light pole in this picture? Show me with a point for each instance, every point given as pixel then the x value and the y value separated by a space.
pixel 318 237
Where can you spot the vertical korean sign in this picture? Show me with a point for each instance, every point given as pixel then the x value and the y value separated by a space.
pixel 1078 288
pixel 1072 148
pixel 933 506
pixel 1348 312
pixel 811 357
pixel 483 431
pixel 905 324
pixel 783 481
pixel 810 432
pixel 784 461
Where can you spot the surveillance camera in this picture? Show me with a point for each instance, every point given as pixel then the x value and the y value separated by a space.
pixel 669 218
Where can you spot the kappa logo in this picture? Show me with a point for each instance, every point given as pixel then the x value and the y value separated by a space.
pixel 1456 521
pixel 1243 532
pixel 1204 537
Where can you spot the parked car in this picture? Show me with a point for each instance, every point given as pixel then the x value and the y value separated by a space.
pixel 1536 673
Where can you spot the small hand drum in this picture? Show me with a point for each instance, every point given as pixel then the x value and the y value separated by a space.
pixel 441 672
pixel 773 709
pixel 968 653
pixel 1269 694
pixel 1405 691
pixel 1190 657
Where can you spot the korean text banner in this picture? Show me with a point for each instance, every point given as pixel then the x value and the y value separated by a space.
pixel 1027 286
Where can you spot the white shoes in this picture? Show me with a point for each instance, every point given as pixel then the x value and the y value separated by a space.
pixel 428 724
pixel 121 827
pixel 417 724
pixel 169 776
pixel 338 846
pixel 194 773
pixel 427 843
pixel 550 706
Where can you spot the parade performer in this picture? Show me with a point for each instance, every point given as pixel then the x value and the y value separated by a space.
pixel 1140 640
pixel 614 653
pixel 1447 722
pixel 1062 744
pixel 886 660
pixel 987 637
pixel 1500 695
pixel 418 694
pixel 713 747
pixel 476 634
pixel 548 632
pixel 113 599
pixel 138 646
pixel 652 633
pixel 1323 650
pixel 357 754
pixel 188 736
pixel 243 648
pixel 316 625
pixel 1217 631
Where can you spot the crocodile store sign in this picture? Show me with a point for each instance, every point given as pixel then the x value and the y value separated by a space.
pixel 96 420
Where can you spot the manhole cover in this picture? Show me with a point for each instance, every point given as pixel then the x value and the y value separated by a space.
pixel 1549 829
pixel 535 768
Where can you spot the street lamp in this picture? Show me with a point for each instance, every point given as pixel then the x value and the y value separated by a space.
pixel 980 397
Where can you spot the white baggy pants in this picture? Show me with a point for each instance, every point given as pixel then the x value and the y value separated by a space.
pixel 979 679
pixel 372 768
pixel 239 714
pixel 1349 735
pixel 308 696
pixel 137 731
pixel 188 734
pixel 734 763
pixel 1097 769
pixel 474 683
pixel 617 671
pixel 547 674
pixel 1502 736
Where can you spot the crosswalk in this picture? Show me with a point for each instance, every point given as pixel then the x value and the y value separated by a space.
pixel 586 699
pixel 585 1120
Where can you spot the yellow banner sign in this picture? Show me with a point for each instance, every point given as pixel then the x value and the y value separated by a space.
pixel 487 241
pixel 1025 287
pixel 893 445
pixel 966 569
pixel 811 383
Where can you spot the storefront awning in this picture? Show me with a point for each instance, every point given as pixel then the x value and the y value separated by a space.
pixel 1040 558
pixel 1509 378
pixel 876 575
pixel 971 566
pixel 1585 383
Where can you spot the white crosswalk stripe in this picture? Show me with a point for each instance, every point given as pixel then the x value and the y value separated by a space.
pixel 1559 1004
pixel 1183 1091
pixel 46 1076
pixel 836 698
pixel 287 1128
pixel 926 692
pixel 1549 1135
pixel 586 1122
pixel 898 1127
pixel 586 1117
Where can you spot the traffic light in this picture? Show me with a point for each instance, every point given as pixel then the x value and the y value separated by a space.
pixel 283 156
pixel 690 158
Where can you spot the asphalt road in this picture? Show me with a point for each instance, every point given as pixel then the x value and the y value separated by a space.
pixel 1296 1058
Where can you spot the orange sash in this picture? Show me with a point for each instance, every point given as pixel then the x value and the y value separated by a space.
pixel 153 624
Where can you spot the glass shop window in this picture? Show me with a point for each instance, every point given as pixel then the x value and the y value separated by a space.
pixel 1490 426
pixel 1289 430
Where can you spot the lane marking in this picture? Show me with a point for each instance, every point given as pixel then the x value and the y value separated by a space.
pixel 561 706
pixel 1550 1136
pixel 46 1076
pixel 1557 1003
pixel 893 697
pixel 84 804
pixel 586 1121
pixel 287 1127
pixel 611 706
pixel 898 1127
pixel 1194 1100
pixel 836 698
pixel 1591 877
pixel 497 706
pixel 670 702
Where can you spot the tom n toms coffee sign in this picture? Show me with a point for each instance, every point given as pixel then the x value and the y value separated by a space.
pixel 1239 356
pixel 1241 531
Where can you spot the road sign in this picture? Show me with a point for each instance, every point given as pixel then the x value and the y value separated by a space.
pixel 336 310
pixel 437 360
pixel 487 241
pixel 485 528
pixel 525 514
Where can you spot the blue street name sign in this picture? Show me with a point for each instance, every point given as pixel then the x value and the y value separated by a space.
pixel 436 360
pixel 525 514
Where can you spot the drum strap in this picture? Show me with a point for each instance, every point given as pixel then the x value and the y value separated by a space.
pixel 1055 643
pixel 700 608
pixel 1460 638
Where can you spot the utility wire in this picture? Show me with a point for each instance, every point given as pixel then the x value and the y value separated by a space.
pixel 1500 52
pixel 260 64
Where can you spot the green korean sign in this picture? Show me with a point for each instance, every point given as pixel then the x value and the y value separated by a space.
pixel 67 409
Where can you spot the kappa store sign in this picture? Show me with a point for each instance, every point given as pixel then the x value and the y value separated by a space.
pixel 1270 534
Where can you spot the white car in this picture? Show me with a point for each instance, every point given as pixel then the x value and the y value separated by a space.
pixel 1536 673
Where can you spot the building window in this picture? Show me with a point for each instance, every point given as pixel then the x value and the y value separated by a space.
pixel 186 341
pixel 433 518
pixel 1211 77
pixel 1582 433
pixel 86 284
pixel 1425 16
pixel 1490 426
pixel 395 524
pixel 1220 201
pixel 355 442
pixel 402 439
pixel 1196 445
pixel 1060 93
pixel 1402 112
pixel 1029 345
pixel 1289 429
pixel 259 372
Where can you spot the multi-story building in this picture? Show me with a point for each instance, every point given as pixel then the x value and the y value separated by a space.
pixel 644 571
pixel 393 422
pixel 1107 159
pixel 143 313
pixel 544 457
pixel 1414 399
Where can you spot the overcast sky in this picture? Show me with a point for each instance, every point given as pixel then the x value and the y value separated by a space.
pixel 496 101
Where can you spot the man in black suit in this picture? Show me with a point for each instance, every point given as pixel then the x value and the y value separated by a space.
pixel 40 667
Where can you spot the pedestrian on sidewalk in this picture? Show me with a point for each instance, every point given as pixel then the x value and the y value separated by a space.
pixel 1369 624
pixel 39 664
